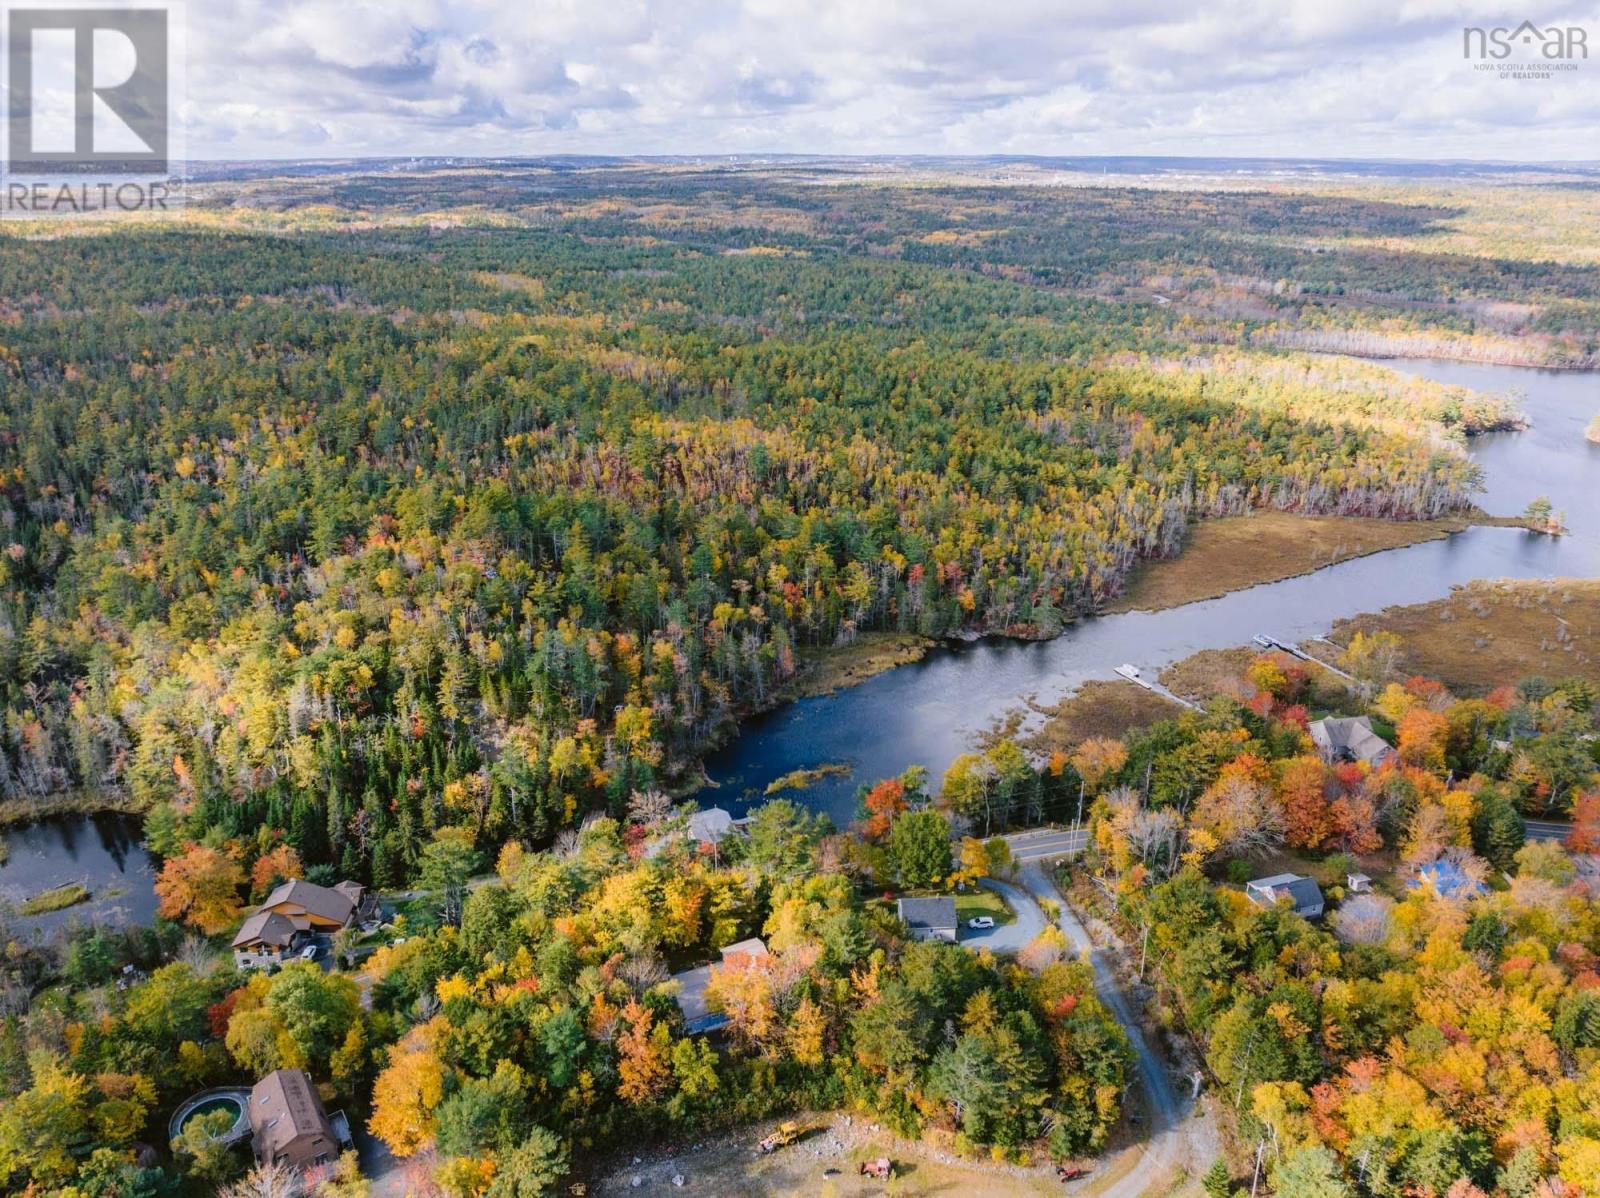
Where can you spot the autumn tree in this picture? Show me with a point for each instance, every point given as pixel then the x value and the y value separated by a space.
pixel 409 1090
pixel 1372 658
pixel 643 1056
pixel 200 887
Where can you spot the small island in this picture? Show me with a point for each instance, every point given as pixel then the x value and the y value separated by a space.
pixel 58 898
pixel 1593 433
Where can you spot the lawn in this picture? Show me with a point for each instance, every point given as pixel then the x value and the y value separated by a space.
pixel 969 905
pixel 983 902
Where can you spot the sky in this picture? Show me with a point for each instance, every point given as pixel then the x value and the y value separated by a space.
pixel 1287 78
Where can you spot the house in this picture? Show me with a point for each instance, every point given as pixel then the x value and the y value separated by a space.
pixel 265 940
pixel 1350 739
pixel 1302 892
pixel 1358 883
pixel 698 1017
pixel 706 828
pixel 711 825
pixel 929 918
pixel 1448 879
pixel 294 914
pixel 288 1125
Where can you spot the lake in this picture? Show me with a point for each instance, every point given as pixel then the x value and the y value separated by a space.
pixel 929 712
pixel 104 852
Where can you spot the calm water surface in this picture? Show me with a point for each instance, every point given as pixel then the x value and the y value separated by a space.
pixel 929 712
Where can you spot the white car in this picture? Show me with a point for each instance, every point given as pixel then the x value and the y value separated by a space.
pixel 309 953
pixel 980 922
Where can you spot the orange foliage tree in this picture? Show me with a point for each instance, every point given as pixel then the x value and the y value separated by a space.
pixel 201 887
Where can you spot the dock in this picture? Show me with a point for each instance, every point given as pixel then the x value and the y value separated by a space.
pixel 1133 675
pixel 1294 650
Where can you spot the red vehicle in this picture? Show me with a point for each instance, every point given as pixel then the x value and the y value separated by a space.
pixel 1063 1173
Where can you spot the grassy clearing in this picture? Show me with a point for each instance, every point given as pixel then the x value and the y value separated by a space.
pixel 1100 709
pixel 1211 672
pixel 1246 551
pixel 1487 634
pixel 824 671
pixel 57 899
pixel 983 902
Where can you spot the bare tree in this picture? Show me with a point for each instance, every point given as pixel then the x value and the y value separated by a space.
pixel 1364 919
pixel 267 1181
pixel 648 807
pixel 196 952
pixel 642 972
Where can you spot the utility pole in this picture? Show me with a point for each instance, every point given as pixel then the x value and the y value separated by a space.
pixel 1079 820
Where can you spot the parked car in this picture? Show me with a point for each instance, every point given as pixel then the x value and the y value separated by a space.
pixel 309 952
pixel 980 922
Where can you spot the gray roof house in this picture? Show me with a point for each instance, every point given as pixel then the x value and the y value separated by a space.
pixel 929 918
pixel 1302 892
pixel 710 825
pixel 1350 739
pixel 698 1017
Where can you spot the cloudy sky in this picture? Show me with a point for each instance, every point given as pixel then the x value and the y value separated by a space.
pixel 1340 78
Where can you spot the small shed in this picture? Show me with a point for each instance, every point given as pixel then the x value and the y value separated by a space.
pixel 1358 883
pixel 929 918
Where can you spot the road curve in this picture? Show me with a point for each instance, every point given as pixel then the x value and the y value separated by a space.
pixel 1167 1110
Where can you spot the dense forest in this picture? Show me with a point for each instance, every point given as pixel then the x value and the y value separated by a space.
pixel 1437 1034
pixel 363 524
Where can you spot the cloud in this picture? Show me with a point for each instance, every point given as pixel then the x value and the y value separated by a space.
pixel 285 78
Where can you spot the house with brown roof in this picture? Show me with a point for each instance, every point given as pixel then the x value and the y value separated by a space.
pixel 293 915
pixel 288 1125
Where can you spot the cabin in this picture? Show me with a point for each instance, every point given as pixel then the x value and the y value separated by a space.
pixel 929 918
pixel 1350 739
pixel 698 1017
pixel 1302 892
pixel 288 1125
pixel 293 916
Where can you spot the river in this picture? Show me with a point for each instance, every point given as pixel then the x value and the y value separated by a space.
pixel 929 712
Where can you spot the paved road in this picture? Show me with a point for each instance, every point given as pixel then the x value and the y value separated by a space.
pixel 1168 1141
pixel 1042 843
pixel 1543 829
pixel 1010 937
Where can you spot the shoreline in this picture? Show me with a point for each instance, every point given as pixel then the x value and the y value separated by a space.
pixel 19 813
pixel 1205 587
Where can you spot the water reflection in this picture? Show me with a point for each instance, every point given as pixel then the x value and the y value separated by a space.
pixel 930 712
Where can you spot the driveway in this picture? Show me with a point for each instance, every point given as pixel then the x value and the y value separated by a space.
pixel 1009 937
pixel 1173 1137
